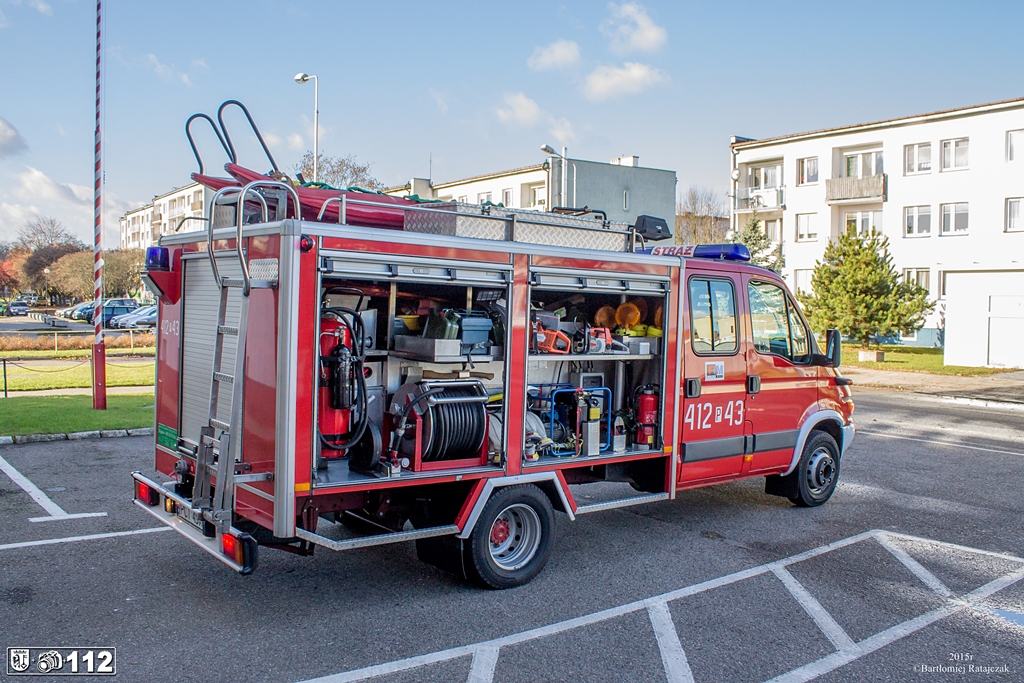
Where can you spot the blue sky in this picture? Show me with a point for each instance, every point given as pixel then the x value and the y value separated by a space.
pixel 479 86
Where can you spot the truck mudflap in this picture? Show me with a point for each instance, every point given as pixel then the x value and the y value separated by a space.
pixel 235 548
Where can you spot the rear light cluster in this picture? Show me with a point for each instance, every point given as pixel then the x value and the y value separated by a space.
pixel 146 494
pixel 240 548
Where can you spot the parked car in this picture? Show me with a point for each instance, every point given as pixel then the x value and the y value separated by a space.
pixel 66 312
pixel 17 308
pixel 70 313
pixel 147 320
pixel 127 320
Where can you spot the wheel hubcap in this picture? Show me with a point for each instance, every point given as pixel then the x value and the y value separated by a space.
pixel 821 471
pixel 515 536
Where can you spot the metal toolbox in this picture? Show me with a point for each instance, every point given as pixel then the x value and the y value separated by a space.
pixel 455 219
pixel 433 350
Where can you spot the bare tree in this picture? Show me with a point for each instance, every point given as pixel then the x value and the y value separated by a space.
pixel 45 231
pixel 701 217
pixel 340 172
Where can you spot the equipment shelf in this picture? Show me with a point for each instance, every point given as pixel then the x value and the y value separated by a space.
pixel 590 356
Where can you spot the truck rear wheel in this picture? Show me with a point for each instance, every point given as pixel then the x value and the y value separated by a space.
pixel 511 541
pixel 818 471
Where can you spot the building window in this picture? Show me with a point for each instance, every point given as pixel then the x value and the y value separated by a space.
pixel 506 197
pixel 918 221
pixel 954 219
pixel 919 158
pixel 764 177
pixel 463 199
pixel 802 279
pixel 772 231
pixel 539 196
pixel 1014 145
pixel 954 154
pixel 625 200
pixel 483 197
pixel 805 230
pixel 942 284
pixel 864 164
pixel 1014 222
pixel 808 171
pixel 863 222
pixel 918 276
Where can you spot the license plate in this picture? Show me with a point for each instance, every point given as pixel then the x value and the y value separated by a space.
pixel 193 517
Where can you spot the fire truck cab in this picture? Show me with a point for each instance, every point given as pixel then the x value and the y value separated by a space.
pixel 451 374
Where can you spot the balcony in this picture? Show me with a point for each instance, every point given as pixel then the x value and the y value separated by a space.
pixel 869 188
pixel 197 206
pixel 156 219
pixel 757 199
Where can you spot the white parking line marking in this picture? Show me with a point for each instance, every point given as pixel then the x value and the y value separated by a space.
pixel 891 635
pixel 829 626
pixel 673 657
pixel 90 537
pixel 484 660
pixel 913 565
pixel 939 443
pixel 55 511
pixel 677 668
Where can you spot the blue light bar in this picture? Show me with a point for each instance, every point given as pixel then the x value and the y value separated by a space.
pixel 157 259
pixel 719 252
pixel 725 252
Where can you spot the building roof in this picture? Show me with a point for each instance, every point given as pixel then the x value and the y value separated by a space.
pixel 472 179
pixel 177 189
pixel 744 143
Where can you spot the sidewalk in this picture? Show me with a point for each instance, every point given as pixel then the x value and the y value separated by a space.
pixel 1006 387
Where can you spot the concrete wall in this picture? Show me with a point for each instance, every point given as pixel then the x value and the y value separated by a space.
pixel 986 184
pixel 985 319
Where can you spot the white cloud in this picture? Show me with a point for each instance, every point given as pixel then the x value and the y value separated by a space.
pixel 560 54
pixel 295 142
pixel 13 215
pixel 167 72
pixel 561 129
pixel 3 20
pixel 630 29
pixel 200 64
pixel 272 139
pixel 442 105
pixel 41 7
pixel 612 81
pixel 61 131
pixel 11 142
pixel 519 110
pixel 37 186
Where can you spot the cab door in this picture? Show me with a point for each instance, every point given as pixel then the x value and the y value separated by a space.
pixel 782 383
pixel 714 376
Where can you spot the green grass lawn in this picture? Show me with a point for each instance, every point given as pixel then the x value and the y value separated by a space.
pixel 914 359
pixel 64 414
pixel 145 351
pixel 76 374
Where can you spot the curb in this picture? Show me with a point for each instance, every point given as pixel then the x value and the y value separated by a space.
pixel 75 436
pixel 980 402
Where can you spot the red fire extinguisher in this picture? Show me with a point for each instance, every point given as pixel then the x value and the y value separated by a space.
pixel 645 406
pixel 334 396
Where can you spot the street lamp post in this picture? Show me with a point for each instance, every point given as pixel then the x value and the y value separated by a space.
pixel 304 78
pixel 548 149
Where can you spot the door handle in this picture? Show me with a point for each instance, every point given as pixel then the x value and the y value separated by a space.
pixel 693 388
pixel 753 384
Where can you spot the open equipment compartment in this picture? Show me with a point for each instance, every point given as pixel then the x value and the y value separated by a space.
pixel 596 366
pixel 424 396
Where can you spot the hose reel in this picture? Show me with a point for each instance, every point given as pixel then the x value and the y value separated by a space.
pixel 452 420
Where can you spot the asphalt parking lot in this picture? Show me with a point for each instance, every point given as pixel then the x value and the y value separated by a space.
pixel 913 571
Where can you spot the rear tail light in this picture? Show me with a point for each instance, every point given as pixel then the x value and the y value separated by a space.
pixel 240 548
pixel 146 494
pixel 170 506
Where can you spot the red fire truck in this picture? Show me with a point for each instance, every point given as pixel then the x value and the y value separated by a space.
pixel 344 370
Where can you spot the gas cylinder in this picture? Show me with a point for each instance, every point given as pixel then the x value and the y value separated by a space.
pixel 646 411
pixel 334 395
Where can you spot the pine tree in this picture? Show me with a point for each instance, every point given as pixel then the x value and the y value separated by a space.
pixel 858 292
pixel 762 251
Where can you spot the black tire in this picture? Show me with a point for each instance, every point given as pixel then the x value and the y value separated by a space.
pixel 817 473
pixel 511 541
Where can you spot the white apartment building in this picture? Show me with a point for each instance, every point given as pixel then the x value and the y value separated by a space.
pixel 946 188
pixel 621 188
pixel 142 227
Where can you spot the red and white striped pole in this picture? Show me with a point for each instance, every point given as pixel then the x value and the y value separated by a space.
pixel 99 354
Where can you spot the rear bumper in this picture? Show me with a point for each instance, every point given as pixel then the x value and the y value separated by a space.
pixel 211 544
pixel 848 433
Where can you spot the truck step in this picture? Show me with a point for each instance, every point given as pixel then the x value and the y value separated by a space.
pixel 382 539
pixel 621 503
pixel 223 377
pixel 227 329
pixel 217 424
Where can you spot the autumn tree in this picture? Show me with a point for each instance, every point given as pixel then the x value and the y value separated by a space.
pixel 72 274
pixel 9 284
pixel 340 172
pixel 857 291
pixel 44 231
pixel 700 217
pixel 763 252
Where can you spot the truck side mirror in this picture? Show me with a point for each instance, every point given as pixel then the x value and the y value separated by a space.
pixel 833 348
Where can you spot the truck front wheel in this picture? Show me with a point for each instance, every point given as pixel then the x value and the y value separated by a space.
pixel 818 471
pixel 511 541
